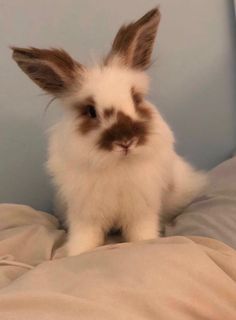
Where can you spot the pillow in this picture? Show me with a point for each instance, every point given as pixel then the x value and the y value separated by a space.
pixel 214 215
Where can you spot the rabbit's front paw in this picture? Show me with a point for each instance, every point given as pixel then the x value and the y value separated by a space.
pixel 84 238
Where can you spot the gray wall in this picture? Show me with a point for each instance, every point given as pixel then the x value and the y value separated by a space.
pixel 193 79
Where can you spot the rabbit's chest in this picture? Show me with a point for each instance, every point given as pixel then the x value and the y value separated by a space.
pixel 114 192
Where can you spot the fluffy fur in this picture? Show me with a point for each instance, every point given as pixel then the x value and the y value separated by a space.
pixel 139 177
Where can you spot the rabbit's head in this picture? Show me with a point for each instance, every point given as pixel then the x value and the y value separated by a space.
pixel 106 102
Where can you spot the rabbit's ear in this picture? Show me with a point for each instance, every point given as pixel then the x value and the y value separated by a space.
pixel 52 70
pixel 134 42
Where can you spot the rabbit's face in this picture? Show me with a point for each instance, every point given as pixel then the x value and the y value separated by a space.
pixel 110 115
pixel 110 111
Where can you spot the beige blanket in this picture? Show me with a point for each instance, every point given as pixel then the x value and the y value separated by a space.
pixel 171 278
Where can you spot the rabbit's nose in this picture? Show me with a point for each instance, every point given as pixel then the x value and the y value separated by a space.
pixel 126 144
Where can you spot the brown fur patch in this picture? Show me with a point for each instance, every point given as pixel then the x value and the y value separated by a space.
pixel 143 111
pixel 136 96
pixel 88 125
pixel 108 113
pixel 134 42
pixel 124 129
pixel 53 70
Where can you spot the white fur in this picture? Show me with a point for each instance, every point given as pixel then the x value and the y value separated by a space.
pixel 104 189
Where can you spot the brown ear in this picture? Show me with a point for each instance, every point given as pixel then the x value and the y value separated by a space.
pixel 134 42
pixel 53 70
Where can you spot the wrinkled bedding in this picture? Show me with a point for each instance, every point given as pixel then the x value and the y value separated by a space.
pixel 181 276
pixel 170 278
pixel 214 215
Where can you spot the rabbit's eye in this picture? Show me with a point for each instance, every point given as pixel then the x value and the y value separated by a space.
pixel 91 111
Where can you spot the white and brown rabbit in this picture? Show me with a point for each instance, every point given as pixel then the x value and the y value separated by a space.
pixel 112 156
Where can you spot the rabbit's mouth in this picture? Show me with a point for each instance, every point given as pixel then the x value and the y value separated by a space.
pixel 124 152
pixel 125 146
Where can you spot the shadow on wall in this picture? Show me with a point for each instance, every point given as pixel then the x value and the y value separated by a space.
pixel 209 138
pixel 232 30
pixel 27 178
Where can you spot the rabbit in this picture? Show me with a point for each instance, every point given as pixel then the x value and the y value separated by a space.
pixel 112 156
